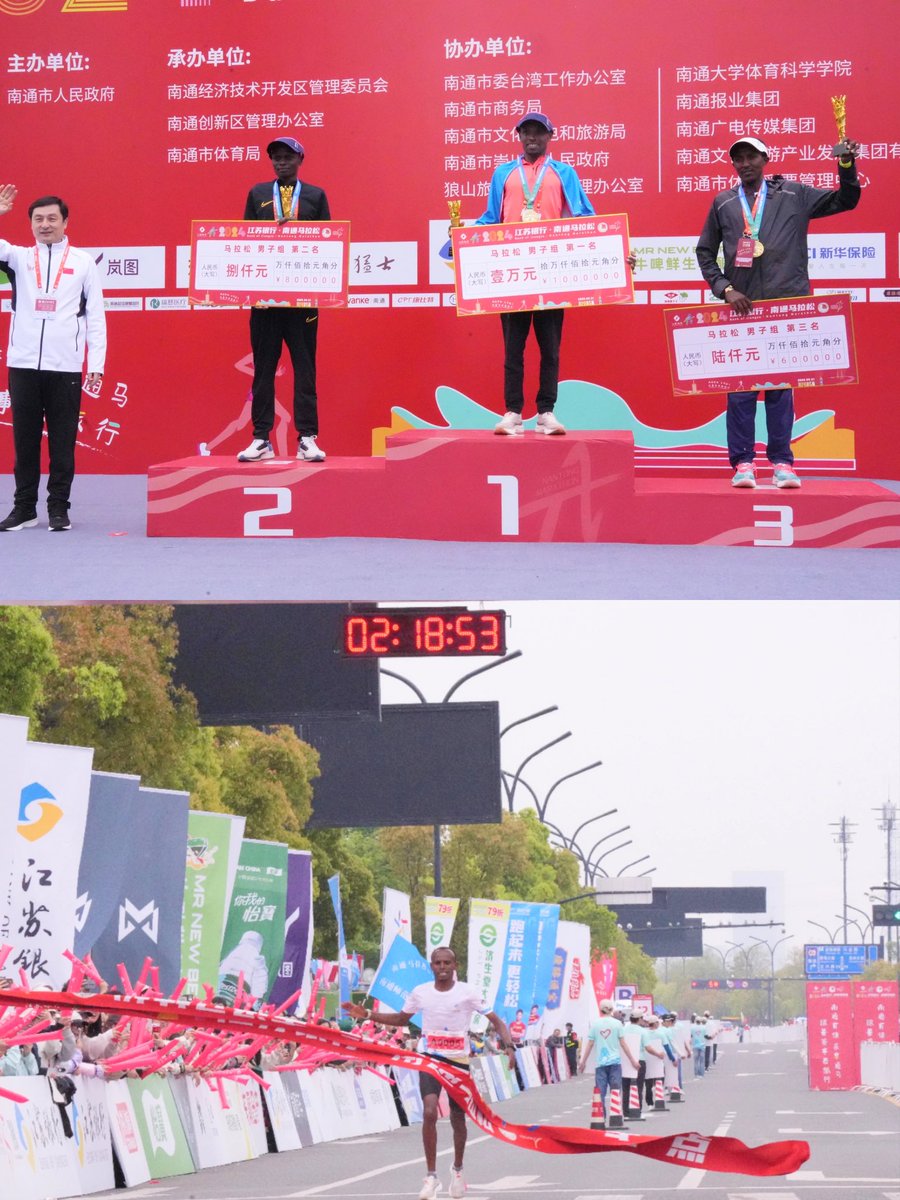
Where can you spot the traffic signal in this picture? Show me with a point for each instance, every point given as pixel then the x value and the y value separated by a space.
pixel 886 914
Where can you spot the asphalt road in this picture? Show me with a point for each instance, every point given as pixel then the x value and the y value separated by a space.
pixel 756 1093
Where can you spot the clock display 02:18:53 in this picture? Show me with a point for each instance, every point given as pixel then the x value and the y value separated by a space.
pixel 410 633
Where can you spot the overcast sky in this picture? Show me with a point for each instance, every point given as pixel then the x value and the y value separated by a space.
pixel 733 736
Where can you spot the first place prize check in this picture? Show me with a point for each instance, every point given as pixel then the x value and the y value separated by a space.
pixel 522 267
pixel 804 341
pixel 301 264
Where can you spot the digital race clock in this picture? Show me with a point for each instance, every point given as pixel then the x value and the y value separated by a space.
pixel 423 633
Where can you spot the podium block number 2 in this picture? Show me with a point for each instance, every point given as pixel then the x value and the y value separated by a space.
pixel 282 498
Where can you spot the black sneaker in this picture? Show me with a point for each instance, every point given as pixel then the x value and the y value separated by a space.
pixel 58 520
pixel 19 518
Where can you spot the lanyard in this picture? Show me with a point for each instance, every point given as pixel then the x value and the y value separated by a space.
pixel 753 220
pixel 277 204
pixel 37 269
pixel 531 196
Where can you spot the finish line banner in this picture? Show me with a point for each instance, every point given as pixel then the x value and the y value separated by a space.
pixel 301 264
pixel 806 341
pixel 527 266
pixel 706 1152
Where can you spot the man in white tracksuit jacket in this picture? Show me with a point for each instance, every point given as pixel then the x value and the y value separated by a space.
pixel 58 313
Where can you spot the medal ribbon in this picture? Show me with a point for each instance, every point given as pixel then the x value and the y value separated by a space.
pixel 753 220
pixel 37 268
pixel 531 196
pixel 277 204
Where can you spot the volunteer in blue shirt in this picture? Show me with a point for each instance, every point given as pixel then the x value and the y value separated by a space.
pixel 608 1036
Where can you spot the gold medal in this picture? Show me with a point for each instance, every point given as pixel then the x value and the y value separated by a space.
pixel 530 214
pixel 758 249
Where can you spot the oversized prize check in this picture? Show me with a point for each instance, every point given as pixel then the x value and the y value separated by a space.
pixel 530 265
pixel 806 341
pixel 301 264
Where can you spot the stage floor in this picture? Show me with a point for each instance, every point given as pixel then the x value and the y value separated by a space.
pixel 108 557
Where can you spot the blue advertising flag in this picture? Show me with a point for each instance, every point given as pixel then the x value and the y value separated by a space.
pixel 528 962
pixel 401 969
pixel 548 926
pixel 334 886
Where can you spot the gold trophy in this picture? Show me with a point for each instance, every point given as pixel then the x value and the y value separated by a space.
pixel 455 220
pixel 839 107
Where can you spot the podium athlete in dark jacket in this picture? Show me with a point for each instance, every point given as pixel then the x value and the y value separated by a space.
pixel 287 199
pixel 761 225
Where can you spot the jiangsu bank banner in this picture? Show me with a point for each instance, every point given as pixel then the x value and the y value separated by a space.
pixel 146 117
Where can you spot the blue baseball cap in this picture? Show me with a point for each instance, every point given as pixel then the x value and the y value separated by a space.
pixel 540 118
pixel 291 143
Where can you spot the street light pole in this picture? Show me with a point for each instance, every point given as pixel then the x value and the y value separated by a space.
pixel 831 936
pixel 595 865
pixel 844 837
pixel 771 950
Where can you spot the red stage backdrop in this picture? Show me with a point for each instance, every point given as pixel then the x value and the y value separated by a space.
pixel 146 115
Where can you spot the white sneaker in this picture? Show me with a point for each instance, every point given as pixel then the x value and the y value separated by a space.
pixel 547 423
pixel 259 448
pixel 430 1188
pixel 308 450
pixel 510 424
pixel 457 1184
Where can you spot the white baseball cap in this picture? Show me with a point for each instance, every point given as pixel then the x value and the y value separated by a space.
pixel 749 141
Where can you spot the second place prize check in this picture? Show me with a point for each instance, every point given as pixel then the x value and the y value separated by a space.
pixel 301 264
pixel 572 262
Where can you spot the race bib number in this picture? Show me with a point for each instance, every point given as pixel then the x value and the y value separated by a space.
pixel 447 1043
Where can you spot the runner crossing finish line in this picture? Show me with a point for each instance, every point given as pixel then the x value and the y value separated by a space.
pixel 706 1152
pixel 446 1006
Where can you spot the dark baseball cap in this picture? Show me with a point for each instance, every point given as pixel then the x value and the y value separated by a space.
pixel 291 143
pixel 539 118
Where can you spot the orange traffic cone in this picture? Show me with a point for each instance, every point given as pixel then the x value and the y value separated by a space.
pixel 615 1119
pixel 598 1120
pixel 659 1097
pixel 634 1104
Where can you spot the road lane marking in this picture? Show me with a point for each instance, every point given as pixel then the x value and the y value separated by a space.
pixel 694 1177
pixel 842 1132
pixel 409 1162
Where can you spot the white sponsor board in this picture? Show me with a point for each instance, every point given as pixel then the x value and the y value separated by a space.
pixel 383 264
pixel 130 268
pixel 281 1117
pixel 38 897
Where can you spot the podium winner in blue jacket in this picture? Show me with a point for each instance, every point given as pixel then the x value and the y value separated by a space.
pixel 533 187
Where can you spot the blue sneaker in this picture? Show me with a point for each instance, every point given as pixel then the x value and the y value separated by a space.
pixel 785 476
pixel 744 476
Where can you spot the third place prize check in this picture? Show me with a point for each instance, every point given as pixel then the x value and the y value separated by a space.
pixel 806 341
pixel 301 264
pixel 572 262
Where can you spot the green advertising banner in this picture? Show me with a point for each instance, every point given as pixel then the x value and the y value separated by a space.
pixel 253 946
pixel 213 847
pixel 158 1123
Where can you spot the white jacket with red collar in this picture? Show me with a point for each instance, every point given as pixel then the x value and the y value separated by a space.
pixel 57 340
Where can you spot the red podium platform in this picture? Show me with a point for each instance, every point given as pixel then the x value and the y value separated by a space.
pixel 473 486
